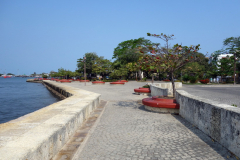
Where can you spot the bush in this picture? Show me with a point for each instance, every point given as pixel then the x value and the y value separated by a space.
pixel 186 78
pixel 204 81
pixel 110 80
pixel 146 86
pixel 144 79
pixel 229 80
pixel 177 81
pixel 193 79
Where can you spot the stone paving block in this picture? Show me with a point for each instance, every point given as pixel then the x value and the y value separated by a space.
pixel 126 130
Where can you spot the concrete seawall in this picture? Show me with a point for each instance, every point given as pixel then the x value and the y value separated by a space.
pixel 41 134
pixel 219 121
pixel 163 89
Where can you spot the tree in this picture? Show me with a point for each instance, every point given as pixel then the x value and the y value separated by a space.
pixel 126 52
pixel 212 70
pixel 119 73
pixel 149 63
pixel 61 72
pixel 171 59
pixel 233 44
pixel 194 69
pixel 91 57
pixel 226 66
pixel 101 66
pixel 133 67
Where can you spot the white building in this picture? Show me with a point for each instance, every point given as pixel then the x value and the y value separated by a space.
pixel 223 55
pixel 219 57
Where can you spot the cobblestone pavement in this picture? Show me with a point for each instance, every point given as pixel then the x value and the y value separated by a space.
pixel 127 131
pixel 227 94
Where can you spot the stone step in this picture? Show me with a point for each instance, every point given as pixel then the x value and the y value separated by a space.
pixel 76 142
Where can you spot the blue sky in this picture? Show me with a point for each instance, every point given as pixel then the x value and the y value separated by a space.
pixel 44 35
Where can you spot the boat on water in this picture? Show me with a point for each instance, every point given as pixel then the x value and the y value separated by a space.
pixel 7 76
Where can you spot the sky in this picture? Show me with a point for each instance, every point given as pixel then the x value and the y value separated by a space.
pixel 45 35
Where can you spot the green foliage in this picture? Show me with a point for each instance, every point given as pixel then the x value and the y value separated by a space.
pixel 194 68
pixel 118 73
pixel 102 65
pixel 94 64
pixel 63 73
pixel 126 52
pixel 171 59
pixel 193 79
pixel 212 70
pixel 226 66
pixel 91 58
pixel 233 45
pixel 146 86
pixel 110 80
pixel 10 74
pixel 44 76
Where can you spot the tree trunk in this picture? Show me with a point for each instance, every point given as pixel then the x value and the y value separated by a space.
pixel 234 76
pixel 173 85
pixel 152 78
pixel 140 75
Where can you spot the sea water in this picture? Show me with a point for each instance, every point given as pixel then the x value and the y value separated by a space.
pixel 18 98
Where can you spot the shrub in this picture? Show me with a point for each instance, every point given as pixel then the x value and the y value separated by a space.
pixel 204 81
pixel 110 80
pixel 229 80
pixel 185 78
pixel 193 79
pixel 144 79
pixel 177 81
pixel 146 86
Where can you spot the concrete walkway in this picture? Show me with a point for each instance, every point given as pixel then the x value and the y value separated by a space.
pixel 127 131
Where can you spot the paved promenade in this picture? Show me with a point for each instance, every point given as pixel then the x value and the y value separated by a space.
pixel 127 131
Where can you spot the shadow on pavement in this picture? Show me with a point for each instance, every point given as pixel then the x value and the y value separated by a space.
pixel 205 138
pixel 225 154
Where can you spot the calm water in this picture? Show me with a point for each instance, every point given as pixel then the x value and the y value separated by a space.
pixel 18 97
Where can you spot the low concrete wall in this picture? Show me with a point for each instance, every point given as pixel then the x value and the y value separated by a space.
pixel 41 134
pixel 219 121
pixel 164 88
pixel 158 91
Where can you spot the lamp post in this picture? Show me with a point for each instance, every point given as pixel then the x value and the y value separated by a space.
pixel 84 60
